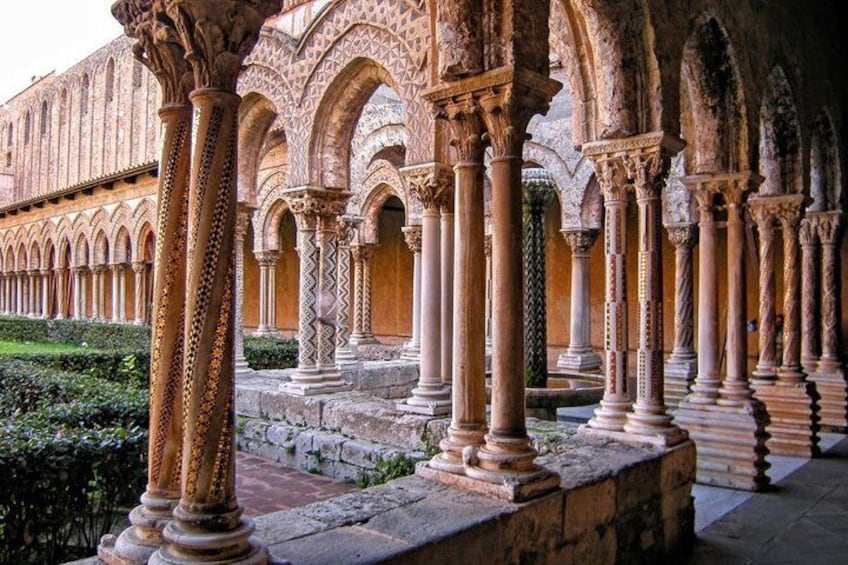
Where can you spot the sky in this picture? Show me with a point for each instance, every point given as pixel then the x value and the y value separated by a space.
pixel 38 36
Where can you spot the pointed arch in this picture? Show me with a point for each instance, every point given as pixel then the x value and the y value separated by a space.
pixel 256 115
pixel 825 165
pixel 780 138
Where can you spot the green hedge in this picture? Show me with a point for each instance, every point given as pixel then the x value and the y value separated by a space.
pixel 92 334
pixel 270 353
pixel 126 366
pixel 72 451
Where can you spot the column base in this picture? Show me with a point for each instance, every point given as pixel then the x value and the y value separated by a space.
pixel 833 398
pixel 235 547
pixel 268 332
pixel 137 544
pixel 731 443
pixel 512 487
pixel 611 416
pixel 363 340
pixel 586 361
pixel 653 424
pixel 427 402
pixel 793 419
pixel 458 449
pixel 411 352
pixel 312 383
pixel 680 375
pixel 242 368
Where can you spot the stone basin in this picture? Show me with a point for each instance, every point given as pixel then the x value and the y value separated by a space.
pixel 564 389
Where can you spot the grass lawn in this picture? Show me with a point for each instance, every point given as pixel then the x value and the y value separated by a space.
pixel 16 347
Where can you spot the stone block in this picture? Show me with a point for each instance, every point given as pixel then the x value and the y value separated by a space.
pixel 297 410
pixel 376 421
pixel 348 509
pixel 248 401
pixel 329 446
pixel 597 545
pixel 588 507
pixel 251 429
pixel 636 484
pixel 351 545
pixel 677 466
pixel 362 454
pixel 533 531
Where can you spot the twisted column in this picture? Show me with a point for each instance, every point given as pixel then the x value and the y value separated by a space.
pixel 580 356
pixel 345 355
pixel 766 365
pixel 809 296
pixel 158 49
pixel 538 190
pixel 829 232
pixel 430 184
pixel 412 236
pixel 681 366
pixel 735 389
pixel 789 215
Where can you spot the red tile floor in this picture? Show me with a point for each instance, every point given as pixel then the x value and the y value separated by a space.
pixel 265 486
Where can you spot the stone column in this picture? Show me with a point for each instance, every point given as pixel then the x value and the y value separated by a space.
pixel 21 294
pixel 32 306
pixel 98 292
pixel 508 457
pixel 412 349
pixel 217 36
pixel 316 212
pixel 809 296
pixel 117 291
pixel 468 422
pixel 647 169
pixel 538 190
pixel 267 291
pixel 789 215
pixel 61 290
pixel 764 374
pixel 446 231
pixel 488 250
pixel 430 184
pixel 345 354
pixel 3 298
pixel 735 389
pixel 242 219
pixel 79 294
pixel 829 231
pixel 138 270
pixel 681 366
pixel 830 375
pixel 616 400
pixel 362 254
pixel 158 49
pixel 45 294
pixel 580 356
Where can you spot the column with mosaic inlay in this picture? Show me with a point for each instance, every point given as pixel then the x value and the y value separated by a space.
pixel 412 237
pixel 345 355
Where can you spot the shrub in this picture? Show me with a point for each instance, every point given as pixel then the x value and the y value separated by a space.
pixel 399 465
pixel 72 450
pixel 270 353
pixel 95 335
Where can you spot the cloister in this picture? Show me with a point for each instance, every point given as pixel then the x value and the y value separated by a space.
pixel 651 192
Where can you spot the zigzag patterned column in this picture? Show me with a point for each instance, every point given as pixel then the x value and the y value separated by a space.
pixel 345 355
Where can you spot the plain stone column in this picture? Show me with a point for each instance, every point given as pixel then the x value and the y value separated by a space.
pixel 707 382
pixel 45 294
pixel 412 236
pixel 33 294
pixel 431 396
pixel 267 292
pixel 488 291
pixel 767 364
pixel 579 356
pixel 735 389
pixel 681 366
pixel 117 291
pixel 138 270
pixel 242 220
pixel 446 270
pixel 61 293
pixel 810 286
pixel 20 294
pixel 538 190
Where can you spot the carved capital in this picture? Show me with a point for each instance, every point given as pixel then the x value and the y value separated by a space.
pixel 808 232
pixel 763 214
pixel 828 226
pixel 431 183
pixel 157 46
pixel 362 253
pixel 538 189
pixel 96 269
pixel 138 267
pixel 682 235
pixel 346 229
pixel 316 208
pixel 218 35
pixel 267 258
pixel 412 236
pixel 466 126
pixel 788 212
pixel 580 241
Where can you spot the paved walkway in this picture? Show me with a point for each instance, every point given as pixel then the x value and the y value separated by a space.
pixel 265 486
pixel 804 520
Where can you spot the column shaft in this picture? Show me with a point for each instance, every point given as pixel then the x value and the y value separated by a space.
pixel 809 296
pixel 446 232
pixel 138 270
pixel 766 365
pixel 790 370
